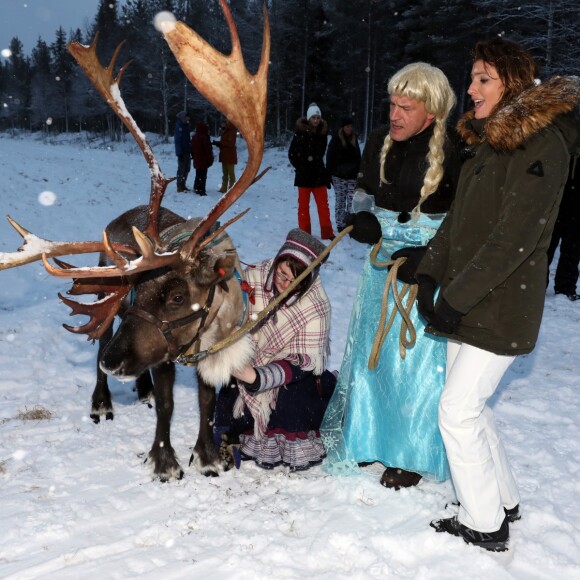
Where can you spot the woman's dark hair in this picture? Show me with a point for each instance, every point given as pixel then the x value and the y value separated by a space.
pixel 296 268
pixel 515 66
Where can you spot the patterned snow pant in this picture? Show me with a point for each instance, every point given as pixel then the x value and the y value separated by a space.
pixel 343 191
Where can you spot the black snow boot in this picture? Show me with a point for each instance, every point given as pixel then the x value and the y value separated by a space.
pixel 512 515
pixel 492 541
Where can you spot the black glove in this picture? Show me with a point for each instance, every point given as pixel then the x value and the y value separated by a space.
pixel 426 296
pixel 445 318
pixel 406 271
pixel 366 228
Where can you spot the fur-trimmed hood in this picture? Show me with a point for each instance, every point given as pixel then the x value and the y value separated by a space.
pixel 516 122
pixel 303 126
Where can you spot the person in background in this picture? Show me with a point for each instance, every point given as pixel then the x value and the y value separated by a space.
pixel 306 155
pixel 277 403
pixel 181 140
pixel 228 156
pixel 202 156
pixel 567 235
pixel 343 163
pixel 407 180
pixel 489 261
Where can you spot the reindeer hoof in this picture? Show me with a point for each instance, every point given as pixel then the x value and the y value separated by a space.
pixel 176 474
pixel 109 416
pixel 96 418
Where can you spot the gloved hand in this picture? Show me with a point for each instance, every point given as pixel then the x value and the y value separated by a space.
pixel 366 228
pixel 426 296
pixel 406 271
pixel 445 318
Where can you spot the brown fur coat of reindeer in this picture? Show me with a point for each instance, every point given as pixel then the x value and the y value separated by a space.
pixel 182 274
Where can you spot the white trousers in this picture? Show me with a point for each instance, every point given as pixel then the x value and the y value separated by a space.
pixel 480 471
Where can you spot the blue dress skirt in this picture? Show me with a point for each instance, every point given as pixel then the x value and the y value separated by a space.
pixel 388 414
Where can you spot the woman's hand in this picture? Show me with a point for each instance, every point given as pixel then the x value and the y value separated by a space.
pixel 249 378
pixel 406 271
pixel 426 296
pixel 246 374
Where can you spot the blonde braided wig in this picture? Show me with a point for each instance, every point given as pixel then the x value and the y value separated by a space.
pixel 422 82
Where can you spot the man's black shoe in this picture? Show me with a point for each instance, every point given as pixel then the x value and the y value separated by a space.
pixel 492 541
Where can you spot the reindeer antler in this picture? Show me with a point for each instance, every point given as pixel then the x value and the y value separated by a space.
pixel 101 312
pixel 108 87
pixel 224 81
pixel 35 248
pixel 240 96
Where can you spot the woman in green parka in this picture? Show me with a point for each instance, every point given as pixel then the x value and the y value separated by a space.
pixel 489 261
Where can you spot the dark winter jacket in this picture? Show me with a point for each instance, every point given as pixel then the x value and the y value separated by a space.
pixel 489 255
pixel 405 169
pixel 306 154
pixel 201 151
pixel 343 156
pixel 182 135
pixel 227 144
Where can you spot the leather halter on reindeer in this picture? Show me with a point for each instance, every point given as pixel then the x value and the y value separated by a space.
pixel 182 274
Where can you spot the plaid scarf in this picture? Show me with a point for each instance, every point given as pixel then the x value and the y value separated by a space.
pixel 297 332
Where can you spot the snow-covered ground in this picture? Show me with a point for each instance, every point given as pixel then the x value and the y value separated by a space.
pixel 76 499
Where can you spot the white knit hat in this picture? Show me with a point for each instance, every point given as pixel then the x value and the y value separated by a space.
pixel 313 109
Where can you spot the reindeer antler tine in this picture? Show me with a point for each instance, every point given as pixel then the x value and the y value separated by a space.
pixel 119 261
pixel 221 229
pixel 261 174
pixel 22 231
pixel 233 28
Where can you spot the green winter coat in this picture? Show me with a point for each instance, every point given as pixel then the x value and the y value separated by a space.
pixel 489 255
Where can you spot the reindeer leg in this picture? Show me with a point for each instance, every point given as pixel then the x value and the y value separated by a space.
pixel 144 388
pixel 205 454
pixel 101 399
pixel 162 455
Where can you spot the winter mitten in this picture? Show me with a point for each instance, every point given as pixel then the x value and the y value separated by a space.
pixel 406 271
pixel 445 318
pixel 426 296
pixel 366 228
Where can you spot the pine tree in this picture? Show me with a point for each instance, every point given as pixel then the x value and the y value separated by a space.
pixel 18 87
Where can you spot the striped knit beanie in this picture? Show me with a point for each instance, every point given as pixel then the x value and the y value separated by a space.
pixel 301 246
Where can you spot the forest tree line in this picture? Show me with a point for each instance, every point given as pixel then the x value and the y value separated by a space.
pixel 337 53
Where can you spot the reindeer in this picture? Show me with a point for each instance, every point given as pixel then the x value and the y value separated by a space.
pixel 183 275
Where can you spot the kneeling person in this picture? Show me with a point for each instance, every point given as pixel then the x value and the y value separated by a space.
pixel 276 404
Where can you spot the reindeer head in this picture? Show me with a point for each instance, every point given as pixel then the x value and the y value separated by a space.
pixel 241 97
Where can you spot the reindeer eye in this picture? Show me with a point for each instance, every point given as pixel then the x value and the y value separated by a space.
pixel 177 299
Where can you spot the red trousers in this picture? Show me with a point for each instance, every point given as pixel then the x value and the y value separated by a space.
pixel 321 198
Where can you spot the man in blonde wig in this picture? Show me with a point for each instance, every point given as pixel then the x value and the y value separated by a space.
pixel 409 172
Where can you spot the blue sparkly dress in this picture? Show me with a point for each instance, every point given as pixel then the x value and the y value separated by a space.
pixel 388 414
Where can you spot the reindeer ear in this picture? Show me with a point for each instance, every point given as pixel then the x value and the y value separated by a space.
pixel 224 266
